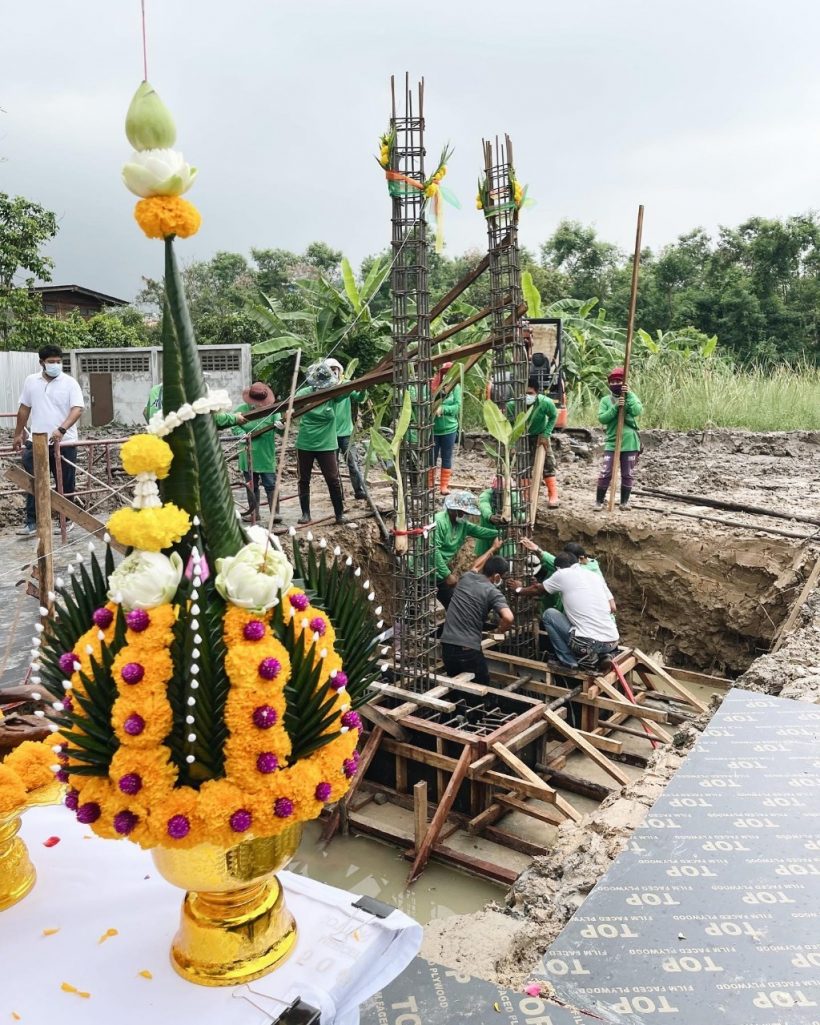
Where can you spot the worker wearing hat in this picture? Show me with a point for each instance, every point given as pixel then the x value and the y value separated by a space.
pixel 608 410
pixel 344 430
pixel 450 534
pixel 316 443
pixel 445 429
pixel 261 469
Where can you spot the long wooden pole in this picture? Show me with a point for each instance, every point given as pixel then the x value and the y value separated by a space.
pixel 283 450
pixel 42 499
pixel 630 330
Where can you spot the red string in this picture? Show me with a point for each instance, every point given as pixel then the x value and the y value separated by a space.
pixel 144 46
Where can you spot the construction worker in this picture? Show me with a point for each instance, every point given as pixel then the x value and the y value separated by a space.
pixel 547 568
pixel 445 430
pixel 477 593
pixel 608 411
pixel 344 430
pixel 263 447
pixel 542 416
pixel 489 504
pixel 451 531
pixel 316 442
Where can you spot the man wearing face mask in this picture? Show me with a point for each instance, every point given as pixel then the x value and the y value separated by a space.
pixel 608 410
pixel 51 403
pixel 542 416
pixel 477 593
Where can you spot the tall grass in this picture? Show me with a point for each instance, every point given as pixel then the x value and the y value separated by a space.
pixel 714 394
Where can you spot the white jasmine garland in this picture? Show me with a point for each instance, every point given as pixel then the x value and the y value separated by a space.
pixel 215 401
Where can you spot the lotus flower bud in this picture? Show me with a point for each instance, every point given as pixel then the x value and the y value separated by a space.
pixel 148 123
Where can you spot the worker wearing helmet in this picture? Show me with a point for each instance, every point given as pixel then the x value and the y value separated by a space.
pixel 451 532
pixel 344 430
pixel 608 410
pixel 445 429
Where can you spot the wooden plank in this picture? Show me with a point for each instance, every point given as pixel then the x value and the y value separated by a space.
pixel 440 817
pixel 514 843
pixel 42 498
pixel 419 811
pixel 671 683
pixel 410 706
pixel 484 869
pixel 544 814
pixel 376 716
pixel 517 727
pixel 503 781
pixel 342 806
pixel 584 745
pixel 576 784
pixel 689 676
pixel 487 817
pixel 401 774
pixel 538 729
pixel 614 747
pixel 790 621
pixel 420 700
pixel 531 777
pixel 648 715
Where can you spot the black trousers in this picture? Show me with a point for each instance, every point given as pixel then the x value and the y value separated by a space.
pixel 329 466
pixel 465 660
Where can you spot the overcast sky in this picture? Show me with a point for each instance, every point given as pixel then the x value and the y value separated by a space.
pixel 707 111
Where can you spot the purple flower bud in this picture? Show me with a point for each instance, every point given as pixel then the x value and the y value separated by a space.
pixel 299 602
pixel 269 668
pixel 267 762
pixel 254 630
pixel 66 662
pixel 134 724
pixel 352 720
pixel 132 672
pixel 178 827
pixel 68 704
pixel 130 783
pixel 318 625
pixel 124 822
pixel 103 617
pixel 138 620
pixel 349 767
pixel 322 792
pixel 283 807
pixel 264 717
pixel 72 800
pixel 339 681
pixel 62 775
pixel 88 812
pixel 241 820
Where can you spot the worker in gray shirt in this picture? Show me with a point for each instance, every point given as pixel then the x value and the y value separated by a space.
pixel 477 593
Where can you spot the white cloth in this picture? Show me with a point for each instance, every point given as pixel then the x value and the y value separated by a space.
pixel 86 886
pixel 586 599
pixel 50 401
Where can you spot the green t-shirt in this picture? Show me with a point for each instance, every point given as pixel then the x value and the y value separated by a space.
pixel 608 416
pixel 449 538
pixel 263 448
pixel 317 427
pixel 344 414
pixel 447 423
pixel 542 415
pixel 488 510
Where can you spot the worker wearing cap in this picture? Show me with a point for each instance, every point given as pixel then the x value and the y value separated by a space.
pixel 316 443
pixel 450 534
pixel 344 429
pixel 608 410
pixel 263 446
pixel 445 430
pixel 540 424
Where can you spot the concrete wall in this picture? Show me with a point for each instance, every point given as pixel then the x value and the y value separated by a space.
pixel 14 369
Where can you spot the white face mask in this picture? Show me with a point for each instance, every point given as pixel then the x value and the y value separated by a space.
pixel 529 399
pixel 53 369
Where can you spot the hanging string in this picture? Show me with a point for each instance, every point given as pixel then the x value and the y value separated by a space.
pixel 144 46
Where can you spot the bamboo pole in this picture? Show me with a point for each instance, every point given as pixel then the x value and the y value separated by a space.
pixel 630 330
pixel 283 449
pixel 42 499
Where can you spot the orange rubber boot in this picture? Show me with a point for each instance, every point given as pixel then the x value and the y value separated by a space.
pixel 445 481
pixel 431 478
pixel 552 492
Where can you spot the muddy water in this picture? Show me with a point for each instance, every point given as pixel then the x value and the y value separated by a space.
pixel 373 869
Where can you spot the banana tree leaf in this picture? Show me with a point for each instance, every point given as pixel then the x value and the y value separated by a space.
pixel 349 282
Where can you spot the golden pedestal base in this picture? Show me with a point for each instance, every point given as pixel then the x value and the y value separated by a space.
pixel 17 875
pixel 234 925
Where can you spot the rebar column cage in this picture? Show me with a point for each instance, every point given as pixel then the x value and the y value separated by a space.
pixel 510 368
pixel 414 580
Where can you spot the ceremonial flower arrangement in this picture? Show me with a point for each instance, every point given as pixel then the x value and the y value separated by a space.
pixel 398 184
pixel 487 199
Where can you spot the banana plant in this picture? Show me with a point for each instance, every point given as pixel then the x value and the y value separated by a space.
pixel 389 451
pixel 506 434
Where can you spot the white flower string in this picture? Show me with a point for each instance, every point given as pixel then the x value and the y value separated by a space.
pixel 215 401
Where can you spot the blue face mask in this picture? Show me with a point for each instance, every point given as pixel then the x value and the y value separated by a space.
pixel 53 369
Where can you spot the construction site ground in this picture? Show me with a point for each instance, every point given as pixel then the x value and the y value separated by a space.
pixel 708 596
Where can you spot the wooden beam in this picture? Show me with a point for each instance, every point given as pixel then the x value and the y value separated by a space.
pixel 420 700
pixel 787 627
pixel 576 784
pixel 637 711
pixel 533 778
pixel 422 853
pixel 546 813
pixel 376 716
pixel 689 676
pixel 42 498
pixel 342 806
pixel 584 745
pixel 607 744
pixel 419 812
pixel 514 843
pixel 677 688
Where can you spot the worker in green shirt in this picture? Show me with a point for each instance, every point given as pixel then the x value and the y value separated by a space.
pixel 445 430
pixel 608 411
pixel 344 430
pixel 154 405
pixel 316 442
pixel 490 504
pixel 450 533
pixel 261 468
pixel 542 416
pixel 547 568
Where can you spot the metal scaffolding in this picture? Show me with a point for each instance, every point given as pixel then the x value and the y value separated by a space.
pixel 510 364
pixel 414 581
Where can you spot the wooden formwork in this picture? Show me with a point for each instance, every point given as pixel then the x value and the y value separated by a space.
pixel 456 779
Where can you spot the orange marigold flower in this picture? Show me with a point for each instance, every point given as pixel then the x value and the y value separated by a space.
pixel 32 761
pixel 141 721
pixel 166 216
pixel 12 792
pixel 173 822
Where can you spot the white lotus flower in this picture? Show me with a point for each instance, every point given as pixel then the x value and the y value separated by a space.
pixel 144 580
pixel 254 577
pixel 259 535
pixel 158 172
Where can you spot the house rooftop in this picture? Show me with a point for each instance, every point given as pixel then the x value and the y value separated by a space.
pixel 101 297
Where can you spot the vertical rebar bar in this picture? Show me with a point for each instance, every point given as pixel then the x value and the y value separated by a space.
pixel 414 580
pixel 510 366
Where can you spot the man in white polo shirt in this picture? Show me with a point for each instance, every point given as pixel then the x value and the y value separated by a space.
pixel 585 632
pixel 51 403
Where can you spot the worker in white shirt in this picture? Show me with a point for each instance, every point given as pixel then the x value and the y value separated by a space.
pixel 585 632
pixel 51 403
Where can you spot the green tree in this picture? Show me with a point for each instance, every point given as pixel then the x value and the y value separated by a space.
pixel 587 263
pixel 25 227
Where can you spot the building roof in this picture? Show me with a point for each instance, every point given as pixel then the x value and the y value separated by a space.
pixel 57 290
